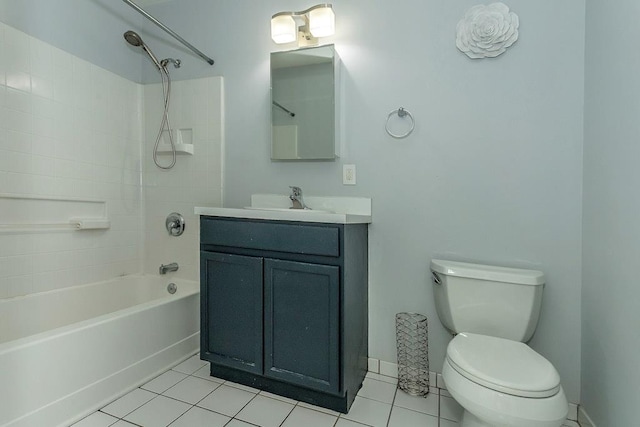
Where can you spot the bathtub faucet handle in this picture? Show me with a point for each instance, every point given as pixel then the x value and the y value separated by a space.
pixel 169 267
pixel 175 224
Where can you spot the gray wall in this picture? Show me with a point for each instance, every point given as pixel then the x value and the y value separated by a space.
pixel 610 294
pixel 89 29
pixel 491 174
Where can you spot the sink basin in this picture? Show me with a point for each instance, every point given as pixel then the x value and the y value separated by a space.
pixel 275 207
pixel 288 210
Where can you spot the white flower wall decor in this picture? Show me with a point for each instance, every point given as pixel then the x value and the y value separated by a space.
pixel 486 31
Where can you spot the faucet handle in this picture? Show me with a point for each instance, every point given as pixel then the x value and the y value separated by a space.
pixel 296 191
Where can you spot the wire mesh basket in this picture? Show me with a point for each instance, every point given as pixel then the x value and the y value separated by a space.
pixel 413 353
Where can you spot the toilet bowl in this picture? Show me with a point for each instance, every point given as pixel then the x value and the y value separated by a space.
pixel 489 370
pixel 502 383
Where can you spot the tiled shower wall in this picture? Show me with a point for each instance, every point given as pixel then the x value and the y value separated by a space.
pixel 69 129
pixel 195 180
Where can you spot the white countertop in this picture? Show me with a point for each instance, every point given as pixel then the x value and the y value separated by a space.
pixel 334 210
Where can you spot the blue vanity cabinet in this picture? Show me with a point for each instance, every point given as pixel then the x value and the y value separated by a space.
pixel 284 306
pixel 233 310
pixel 301 328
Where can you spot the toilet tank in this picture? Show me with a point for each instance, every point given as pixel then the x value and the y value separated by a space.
pixel 483 299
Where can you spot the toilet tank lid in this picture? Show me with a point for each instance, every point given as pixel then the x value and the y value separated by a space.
pixel 488 272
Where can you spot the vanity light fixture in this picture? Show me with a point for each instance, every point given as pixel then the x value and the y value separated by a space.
pixel 305 26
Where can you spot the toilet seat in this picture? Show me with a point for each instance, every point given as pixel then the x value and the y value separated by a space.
pixel 502 365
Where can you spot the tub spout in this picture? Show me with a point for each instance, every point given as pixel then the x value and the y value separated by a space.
pixel 169 267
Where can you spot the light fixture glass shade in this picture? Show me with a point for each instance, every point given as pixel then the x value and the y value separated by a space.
pixel 283 29
pixel 322 22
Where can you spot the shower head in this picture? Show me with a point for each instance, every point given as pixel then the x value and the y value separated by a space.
pixel 135 40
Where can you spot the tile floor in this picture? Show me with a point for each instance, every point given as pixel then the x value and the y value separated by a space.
pixel 186 396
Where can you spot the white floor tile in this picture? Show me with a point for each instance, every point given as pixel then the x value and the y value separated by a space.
pixel 450 409
pixel 242 387
pixel 570 423
pixel 427 405
pixel 447 423
pixel 378 404
pixel 265 412
pixel 159 412
pixel 238 423
pixel 163 382
pixel 123 423
pixel 309 418
pixel 198 417
pixel 97 419
pixel 191 390
pixel 191 365
pixel 205 373
pixel 226 400
pixel 370 412
pixel 318 408
pixel 275 396
pixel 444 392
pixel 401 417
pixel 348 423
pixel 377 390
pixel 128 403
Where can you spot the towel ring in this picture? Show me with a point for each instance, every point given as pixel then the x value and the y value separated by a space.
pixel 402 113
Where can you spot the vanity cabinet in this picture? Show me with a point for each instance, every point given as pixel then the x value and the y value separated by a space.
pixel 284 306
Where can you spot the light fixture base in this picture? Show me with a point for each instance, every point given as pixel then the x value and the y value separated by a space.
pixel 305 39
pixel 312 23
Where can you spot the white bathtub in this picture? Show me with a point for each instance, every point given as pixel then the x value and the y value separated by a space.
pixel 64 354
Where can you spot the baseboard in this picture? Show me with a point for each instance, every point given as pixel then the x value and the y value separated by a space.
pixel 583 419
pixel 390 370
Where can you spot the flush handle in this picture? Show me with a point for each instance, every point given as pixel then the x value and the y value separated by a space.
pixel 436 278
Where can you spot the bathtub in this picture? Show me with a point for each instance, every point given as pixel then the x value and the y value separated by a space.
pixel 66 353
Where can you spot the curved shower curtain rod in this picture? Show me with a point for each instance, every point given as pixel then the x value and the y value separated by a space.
pixel 169 31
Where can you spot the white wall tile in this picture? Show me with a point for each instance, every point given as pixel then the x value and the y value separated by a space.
pixel 389 369
pixel 374 365
pixel 57 133
pixel 189 183
pixel 69 128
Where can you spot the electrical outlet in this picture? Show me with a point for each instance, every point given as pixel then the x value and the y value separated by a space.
pixel 349 174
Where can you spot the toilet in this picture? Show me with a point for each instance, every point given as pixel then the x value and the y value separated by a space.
pixel 489 370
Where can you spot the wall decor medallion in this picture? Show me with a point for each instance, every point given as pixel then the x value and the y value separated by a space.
pixel 486 31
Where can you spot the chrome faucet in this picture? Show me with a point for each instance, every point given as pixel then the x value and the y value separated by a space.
pixel 169 267
pixel 296 198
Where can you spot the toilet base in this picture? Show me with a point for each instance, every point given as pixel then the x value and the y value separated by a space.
pixel 470 420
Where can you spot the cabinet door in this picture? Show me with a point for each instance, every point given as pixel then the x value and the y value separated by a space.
pixel 231 310
pixel 302 324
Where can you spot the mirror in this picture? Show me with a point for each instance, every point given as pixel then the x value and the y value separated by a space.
pixel 303 104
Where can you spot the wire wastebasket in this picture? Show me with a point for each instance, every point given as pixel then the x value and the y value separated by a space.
pixel 413 353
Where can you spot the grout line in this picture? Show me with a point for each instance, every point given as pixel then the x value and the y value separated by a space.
pixel 288 415
pixel 338 417
pixel 395 393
